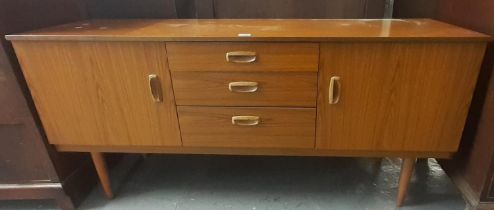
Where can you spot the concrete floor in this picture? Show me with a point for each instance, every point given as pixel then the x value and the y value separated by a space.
pixel 198 182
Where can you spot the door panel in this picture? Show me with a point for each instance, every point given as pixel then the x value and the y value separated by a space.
pixel 396 96
pixel 97 93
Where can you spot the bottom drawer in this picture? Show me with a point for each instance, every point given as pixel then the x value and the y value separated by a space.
pixel 247 127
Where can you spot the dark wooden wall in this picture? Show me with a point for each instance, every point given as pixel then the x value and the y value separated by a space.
pixel 415 8
pixel 298 9
pixel 22 154
pixel 131 8
pixel 235 8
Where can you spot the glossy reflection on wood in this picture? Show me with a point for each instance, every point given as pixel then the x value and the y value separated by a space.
pixel 260 30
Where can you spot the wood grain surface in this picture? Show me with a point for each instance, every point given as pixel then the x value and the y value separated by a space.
pixel 96 93
pixel 396 97
pixel 260 30
pixel 211 56
pixel 252 151
pixel 273 89
pixel 278 127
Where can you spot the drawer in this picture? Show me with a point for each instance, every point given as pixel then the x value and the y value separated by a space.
pixel 274 128
pixel 245 89
pixel 236 56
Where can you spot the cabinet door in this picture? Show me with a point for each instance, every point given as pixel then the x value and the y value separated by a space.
pixel 99 93
pixel 395 96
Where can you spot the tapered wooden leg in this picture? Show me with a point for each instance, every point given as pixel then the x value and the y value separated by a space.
pixel 100 164
pixel 405 175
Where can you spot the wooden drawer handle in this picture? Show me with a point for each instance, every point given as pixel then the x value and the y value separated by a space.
pixel 245 120
pixel 241 57
pixel 155 88
pixel 243 87
pixel 334 90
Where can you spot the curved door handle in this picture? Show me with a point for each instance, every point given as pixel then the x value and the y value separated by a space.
pixel 334 91
pixel 155 88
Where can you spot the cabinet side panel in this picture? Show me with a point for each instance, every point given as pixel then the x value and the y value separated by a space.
pixel 396 96
pixel 97 93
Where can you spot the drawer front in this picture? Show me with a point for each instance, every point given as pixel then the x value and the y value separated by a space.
pixel 239 127
pixel 245 89
pixel 235 56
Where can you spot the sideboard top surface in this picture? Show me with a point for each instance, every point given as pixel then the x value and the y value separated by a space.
pixel 259 30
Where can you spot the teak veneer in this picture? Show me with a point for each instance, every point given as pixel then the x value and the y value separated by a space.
pixel 366 88
pixel 261 30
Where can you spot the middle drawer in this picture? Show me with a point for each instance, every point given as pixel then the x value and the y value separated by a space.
pixel 245 89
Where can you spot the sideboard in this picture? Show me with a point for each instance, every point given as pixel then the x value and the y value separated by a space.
pixel 365 88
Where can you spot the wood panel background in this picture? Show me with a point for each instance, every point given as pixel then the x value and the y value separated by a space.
pixel 19 139
pixel 131 8
pixel 61 11
pixel 414 8
pixel 298 9
pixel 235 8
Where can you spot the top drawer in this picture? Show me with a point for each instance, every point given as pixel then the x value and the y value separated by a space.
pixel 238 56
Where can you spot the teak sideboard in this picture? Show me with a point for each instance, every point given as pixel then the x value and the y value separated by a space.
pixel 254 87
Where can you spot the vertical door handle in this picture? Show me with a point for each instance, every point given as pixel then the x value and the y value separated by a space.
pixel 155 88
pixel 334 90
pixel 241 57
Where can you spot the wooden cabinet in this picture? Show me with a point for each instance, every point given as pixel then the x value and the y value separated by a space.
pixel 254 87
pixel 98 93
pixel 395 96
